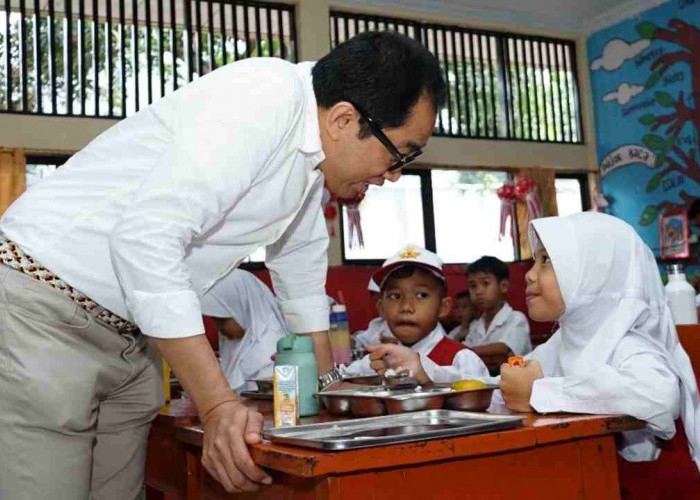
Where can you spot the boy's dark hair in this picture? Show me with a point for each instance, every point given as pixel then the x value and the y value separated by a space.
pixel 490 265
pixel 384 73
pixel 694 209
pixel 407 271
pixel 464 294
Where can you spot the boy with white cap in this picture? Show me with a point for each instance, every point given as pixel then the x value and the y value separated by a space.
pixel 413 300
pixel 377 331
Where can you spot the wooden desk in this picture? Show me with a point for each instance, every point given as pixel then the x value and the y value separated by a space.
pixel 558 457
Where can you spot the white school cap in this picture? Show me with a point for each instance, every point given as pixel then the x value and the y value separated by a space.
pixel 410 255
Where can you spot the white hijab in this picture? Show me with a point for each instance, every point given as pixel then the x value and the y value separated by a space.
pixel 611 287
pixel 243 297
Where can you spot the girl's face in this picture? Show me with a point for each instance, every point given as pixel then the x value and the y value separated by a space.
pixel 544 300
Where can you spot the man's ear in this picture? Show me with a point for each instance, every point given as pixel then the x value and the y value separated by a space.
pixel 504 286
pixel 341 118
pixel 445 307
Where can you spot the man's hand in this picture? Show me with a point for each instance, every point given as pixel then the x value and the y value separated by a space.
pixel 516 385
pixel 385 356
pixel 229 427
pixel 228 430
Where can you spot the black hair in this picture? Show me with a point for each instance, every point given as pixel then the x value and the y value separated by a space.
pixel 490 265
pixel 408 270
pixel 464 294
pixel 385 73
pixel 694 209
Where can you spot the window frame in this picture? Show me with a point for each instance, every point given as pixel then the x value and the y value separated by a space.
pixel 428 218
pixel 582 178
pixel 48 159
pixel 504 51
pixel 425 173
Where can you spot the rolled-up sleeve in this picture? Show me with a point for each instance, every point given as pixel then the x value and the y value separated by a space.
pixel 298 265
pixel 216 152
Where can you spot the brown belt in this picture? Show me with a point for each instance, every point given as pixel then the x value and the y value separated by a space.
pixel 13 256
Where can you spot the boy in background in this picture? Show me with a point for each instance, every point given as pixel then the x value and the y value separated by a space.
pixel 500 330
pixel 413 300
pixel 463 313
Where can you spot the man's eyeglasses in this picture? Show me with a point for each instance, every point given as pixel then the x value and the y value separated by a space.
pixel 401 159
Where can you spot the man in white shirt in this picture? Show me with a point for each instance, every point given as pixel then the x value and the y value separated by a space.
pixel 137 226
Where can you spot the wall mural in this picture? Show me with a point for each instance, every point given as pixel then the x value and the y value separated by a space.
pixel 645 75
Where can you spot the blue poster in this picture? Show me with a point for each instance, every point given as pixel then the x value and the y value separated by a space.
pixel 645 75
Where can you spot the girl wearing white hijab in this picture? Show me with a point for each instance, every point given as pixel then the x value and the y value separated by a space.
pixel 250 303
pixel 616 350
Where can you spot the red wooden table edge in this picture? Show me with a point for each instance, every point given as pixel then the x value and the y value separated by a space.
pixel 538 430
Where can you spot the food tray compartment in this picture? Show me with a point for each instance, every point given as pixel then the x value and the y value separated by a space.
pixel 377 401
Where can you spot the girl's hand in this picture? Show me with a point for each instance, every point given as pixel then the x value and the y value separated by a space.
pixel 516 385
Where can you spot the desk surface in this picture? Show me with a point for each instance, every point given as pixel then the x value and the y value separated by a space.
pixel 538 430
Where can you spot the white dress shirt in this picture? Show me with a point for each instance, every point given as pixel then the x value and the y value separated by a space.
pixel 154 211
pixel 376 329
pixel 508 326
pixel 465 365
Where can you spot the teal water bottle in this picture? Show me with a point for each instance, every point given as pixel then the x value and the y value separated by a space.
pixel 296 350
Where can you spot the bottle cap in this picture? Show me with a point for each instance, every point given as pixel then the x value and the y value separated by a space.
pixel 674 269
pixel 338 308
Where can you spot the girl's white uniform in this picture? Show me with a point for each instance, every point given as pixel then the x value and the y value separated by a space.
pixel 616 350
pixel 246 299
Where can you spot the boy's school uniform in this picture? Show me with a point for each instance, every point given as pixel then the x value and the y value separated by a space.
pixel 508 326
pixel 376 329
pixel 444 360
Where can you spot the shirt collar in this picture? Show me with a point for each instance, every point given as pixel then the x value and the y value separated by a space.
pixel 428 343
pixel 502 315
pixel 312 134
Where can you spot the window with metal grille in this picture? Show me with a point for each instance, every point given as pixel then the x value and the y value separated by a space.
pixel 109 58
pixel 501 85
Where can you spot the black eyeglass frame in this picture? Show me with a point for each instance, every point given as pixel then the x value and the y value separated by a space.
pixel 401 159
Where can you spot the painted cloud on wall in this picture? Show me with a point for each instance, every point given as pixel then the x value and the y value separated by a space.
pixel 624 93
pixel 616 52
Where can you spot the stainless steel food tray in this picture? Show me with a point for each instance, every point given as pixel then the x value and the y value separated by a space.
pixel 391 429
pixel 378 401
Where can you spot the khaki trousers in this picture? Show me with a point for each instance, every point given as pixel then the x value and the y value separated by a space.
pixel 76 398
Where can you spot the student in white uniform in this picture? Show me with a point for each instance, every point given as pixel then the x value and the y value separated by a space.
pixel 616 350
pixel 464 313
pixel 413 300
pixel 499 330
pixel 250 323
pixel 377 330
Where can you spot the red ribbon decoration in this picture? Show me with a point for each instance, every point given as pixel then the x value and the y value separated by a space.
pixel 506 193
pixel 331 206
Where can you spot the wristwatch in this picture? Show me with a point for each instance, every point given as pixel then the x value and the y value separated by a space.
pixel 329 378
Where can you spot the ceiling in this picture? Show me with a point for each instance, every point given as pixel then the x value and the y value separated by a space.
pixel 573 16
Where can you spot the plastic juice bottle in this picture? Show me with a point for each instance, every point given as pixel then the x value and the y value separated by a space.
pixel 339 333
